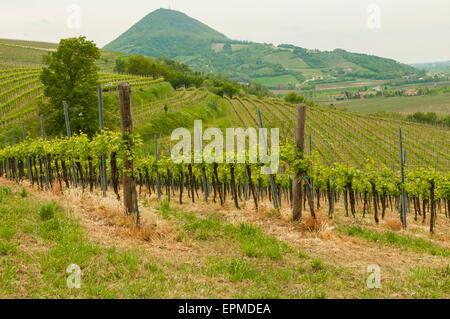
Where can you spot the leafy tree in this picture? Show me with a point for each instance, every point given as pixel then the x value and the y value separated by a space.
pixel 120 66
pixel 227 48
pixel 429 117
pixel 46 58
pixel 293 97
pixel 140 65
pixel 72 77
pixel 179 74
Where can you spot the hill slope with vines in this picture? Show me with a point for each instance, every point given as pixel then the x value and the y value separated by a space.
pixel 348 137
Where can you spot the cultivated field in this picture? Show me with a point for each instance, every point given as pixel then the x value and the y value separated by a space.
pixel 439 103
pixel 350 138
pixel 21 90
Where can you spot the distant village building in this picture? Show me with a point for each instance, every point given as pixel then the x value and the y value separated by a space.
pixel 314 78
pixel 378 88
pixel 411 92
pixel 347 70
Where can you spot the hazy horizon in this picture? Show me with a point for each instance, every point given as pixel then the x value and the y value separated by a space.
pixel 407 31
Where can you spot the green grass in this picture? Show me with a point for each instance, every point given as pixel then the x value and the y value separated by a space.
pixel 36 254
pixel 7 231
pixel 272 81
pixel 47 211
pixel 317 264
pixel 432 282
pixel 224 261
pixel 234 269
pixel 7 248
pixel 394 239
pixel 287 59
pixel 251 239
pixel 439 103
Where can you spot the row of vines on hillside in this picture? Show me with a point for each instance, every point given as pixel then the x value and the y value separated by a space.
pixel 376 187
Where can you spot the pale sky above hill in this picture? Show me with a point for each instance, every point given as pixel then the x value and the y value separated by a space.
pixel 409 31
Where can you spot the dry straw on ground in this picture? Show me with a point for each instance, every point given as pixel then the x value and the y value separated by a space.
pixel 317 224
pixel 394 224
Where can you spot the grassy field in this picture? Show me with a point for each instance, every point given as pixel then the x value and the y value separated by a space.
pixel 349 84
pixel 286 59
pixel 31 53
pixel 272 81
pixel 212 253
pixel 403 104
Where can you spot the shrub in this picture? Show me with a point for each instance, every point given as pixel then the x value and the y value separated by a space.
pixel 47 211
pixel 292 97
pixel 23 193
pixel 317 264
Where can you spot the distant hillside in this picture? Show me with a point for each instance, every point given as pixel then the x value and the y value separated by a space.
pixel 173 34
pixel 166 33
pixel 442 66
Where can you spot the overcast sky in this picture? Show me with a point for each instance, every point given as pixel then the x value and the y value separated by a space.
pixel 407 30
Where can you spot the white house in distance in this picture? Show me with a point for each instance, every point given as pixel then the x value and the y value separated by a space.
pixel 377 88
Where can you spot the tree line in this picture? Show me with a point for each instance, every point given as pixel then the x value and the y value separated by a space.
pixel 179 74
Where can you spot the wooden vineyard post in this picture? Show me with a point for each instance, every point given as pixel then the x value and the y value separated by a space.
pixel 103 177
pixel 28 159
pixel 69 135
pixel 126 126
pixel 300 147
pixel 333 192
pixel 45 157
pixel 272 180
pixel 403 203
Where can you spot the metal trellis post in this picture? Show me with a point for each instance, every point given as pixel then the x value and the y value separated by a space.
pixel 403 211
pixel 69 135
pixel 103 176
pixel 15 159
pixel 272 181
pixel 28 159
pixel 47 183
